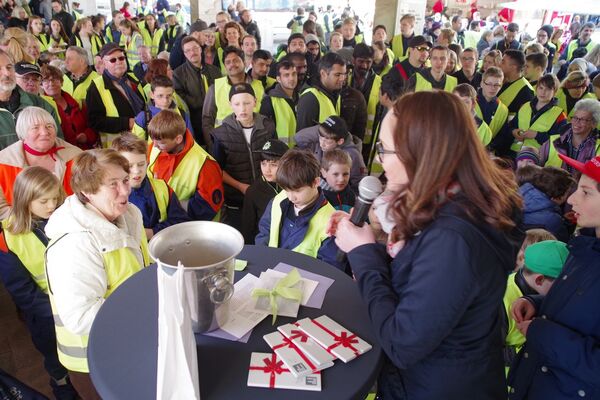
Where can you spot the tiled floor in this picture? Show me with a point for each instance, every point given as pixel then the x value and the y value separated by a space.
pixel 18 357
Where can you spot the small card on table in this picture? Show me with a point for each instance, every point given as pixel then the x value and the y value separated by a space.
pixel 334 337
pixel 268 371
pixel 295 360
pixel 318 355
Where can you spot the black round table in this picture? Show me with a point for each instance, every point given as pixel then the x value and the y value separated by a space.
pixel 122 349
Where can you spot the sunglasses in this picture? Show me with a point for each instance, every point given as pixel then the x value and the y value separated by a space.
pixel 422 49
pixel 115 59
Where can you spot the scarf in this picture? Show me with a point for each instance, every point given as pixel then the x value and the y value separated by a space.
pixel 137 104
pixel 50 152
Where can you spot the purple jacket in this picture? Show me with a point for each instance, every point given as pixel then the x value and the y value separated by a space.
pixel 587 149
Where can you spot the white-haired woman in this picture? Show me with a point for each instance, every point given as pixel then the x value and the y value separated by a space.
pixel 38 146
pixel 579 141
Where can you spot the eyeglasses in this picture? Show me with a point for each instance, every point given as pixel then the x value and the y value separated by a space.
pixel 497 85
pixel 577 119
pixel 381 150
pixel 115 59
pixel 422 49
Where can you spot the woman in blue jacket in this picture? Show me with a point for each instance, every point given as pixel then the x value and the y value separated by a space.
pixel 561 358
pixel 434 291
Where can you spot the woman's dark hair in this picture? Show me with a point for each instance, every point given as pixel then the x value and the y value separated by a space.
pixel 439 148
pixel 553 182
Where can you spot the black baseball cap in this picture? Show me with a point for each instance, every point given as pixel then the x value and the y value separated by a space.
pixel 109 48
pixel 241 88
pixel 336 125
pixel 25 68
pixel 417 41
pixel 273 149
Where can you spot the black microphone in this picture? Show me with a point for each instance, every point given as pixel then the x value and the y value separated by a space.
pixel 369 189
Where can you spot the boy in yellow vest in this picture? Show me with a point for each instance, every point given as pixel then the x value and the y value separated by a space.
pixel 297 217
pixel 156 200
pixel 543 263
pixel 193 174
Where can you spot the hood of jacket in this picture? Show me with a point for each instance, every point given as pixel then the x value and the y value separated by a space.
pixel 231 123
pixel 73 216
pixel 535 200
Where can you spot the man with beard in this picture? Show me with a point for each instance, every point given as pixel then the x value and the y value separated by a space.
pixel 280 104
pixel 318 103
pixel 365 80
pixel 299 62
pixel 14 99
pixel 261 62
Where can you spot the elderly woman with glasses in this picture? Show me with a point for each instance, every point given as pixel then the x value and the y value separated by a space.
pixel 38 146
pixel 574 88
pixel 579 141
pixel 74 122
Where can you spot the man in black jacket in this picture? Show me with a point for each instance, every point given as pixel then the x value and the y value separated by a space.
pixel 64 17
pixel 250 26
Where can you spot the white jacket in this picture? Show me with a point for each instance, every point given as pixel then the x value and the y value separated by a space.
pixel 75 266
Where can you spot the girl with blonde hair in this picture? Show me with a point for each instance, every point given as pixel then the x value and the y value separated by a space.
pixel 14 42
pixel 37 193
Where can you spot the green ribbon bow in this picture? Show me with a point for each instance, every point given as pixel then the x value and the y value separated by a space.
pixel 284 289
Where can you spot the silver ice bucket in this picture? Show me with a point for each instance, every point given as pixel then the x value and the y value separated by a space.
pixel 207 250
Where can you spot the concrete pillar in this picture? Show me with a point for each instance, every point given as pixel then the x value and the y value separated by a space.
pixel 206 10
pixel 388 13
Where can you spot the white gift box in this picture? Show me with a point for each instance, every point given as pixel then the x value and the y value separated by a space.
pixel 318 355
pixel 297 362
pixel 268 371
pixel 334 337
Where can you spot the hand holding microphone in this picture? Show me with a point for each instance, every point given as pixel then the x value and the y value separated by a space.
pixel 349 229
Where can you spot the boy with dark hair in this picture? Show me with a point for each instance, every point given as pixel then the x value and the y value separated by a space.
pixel 262 190
pixel 535 67
pixel 261 62
pixel 177 159
pixel 162 95
pixel 330 134
pixel 296 218
pixel 335 175
pixel 156 200
pixel 543 197
pixel 516 90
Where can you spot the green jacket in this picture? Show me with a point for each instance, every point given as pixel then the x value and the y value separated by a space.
pixel 8 134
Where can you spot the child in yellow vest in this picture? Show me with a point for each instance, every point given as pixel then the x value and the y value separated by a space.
pixel 37 193
pixel 297 217
pixel 543 262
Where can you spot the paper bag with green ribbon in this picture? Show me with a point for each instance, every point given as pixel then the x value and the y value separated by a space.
pixel 279 296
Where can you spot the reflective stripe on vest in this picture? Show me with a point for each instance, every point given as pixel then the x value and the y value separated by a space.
pixel 423 84
pixel 498 119
pixel 509 95
pixel 484 133
pixel 574 44
pixel 161 194
pixel 30 251
pixel 553 159
pixel 315 234
pixel 326 108
pixel 222 88
pixel 542 124
pixel 119 265
pixel 285 120
pixel 561 96
pixel 152 40
pixel 184 179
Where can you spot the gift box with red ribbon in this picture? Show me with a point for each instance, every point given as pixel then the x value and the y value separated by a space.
pixel 298 363
pixel 268 371
pixel 334 337
pixel 317 354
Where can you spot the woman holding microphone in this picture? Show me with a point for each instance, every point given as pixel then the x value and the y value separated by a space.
pixel 434 291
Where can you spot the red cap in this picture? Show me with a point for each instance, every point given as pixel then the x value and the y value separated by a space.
pixel 591 167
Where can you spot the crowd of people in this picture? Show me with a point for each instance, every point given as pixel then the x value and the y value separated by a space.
pixel 487 143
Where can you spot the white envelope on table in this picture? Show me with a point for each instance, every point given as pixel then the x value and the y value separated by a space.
pixel 177 367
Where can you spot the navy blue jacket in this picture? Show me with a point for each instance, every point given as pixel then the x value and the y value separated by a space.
pixel 541 212
pixel 561 358
pixel 436 308
pixel 293 229
pixel 144 199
